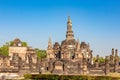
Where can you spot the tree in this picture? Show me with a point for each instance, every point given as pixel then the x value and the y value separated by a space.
pixel 100 59
pixel 40 53
pixel 23 43
pixel 11 43
pixel 4 50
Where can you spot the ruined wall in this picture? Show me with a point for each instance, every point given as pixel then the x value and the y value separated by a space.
pixel 20 50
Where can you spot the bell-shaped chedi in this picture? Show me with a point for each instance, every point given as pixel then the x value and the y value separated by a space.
pixel 69 44
pixel 17 42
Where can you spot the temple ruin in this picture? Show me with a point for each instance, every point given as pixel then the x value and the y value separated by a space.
pixel 70 57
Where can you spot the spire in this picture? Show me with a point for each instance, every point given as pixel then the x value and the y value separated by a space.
pixel 69 24
pixel 49 43
pixel 69 20
pixel 112 51
pixel 69 33
pixel 116 52
pixel 78 44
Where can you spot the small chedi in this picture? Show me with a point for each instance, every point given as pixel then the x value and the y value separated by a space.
pixel 69 57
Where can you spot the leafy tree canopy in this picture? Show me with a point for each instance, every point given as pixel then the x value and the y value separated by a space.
pixel 100 59
pixel 40 53
pixel 4 49
pixel 23 43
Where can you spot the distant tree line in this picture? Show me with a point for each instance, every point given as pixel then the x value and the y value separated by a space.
pixel 100 59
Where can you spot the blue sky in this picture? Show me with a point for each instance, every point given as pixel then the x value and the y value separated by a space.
pixel 95 21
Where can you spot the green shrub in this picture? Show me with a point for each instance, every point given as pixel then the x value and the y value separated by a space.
pixel 104 77
pixel 45 77
pixel 67 77
pixel 28 76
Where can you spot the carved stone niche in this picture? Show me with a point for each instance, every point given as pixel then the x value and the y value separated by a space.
pixel 56 50
pixel 58 67
pixel 72 68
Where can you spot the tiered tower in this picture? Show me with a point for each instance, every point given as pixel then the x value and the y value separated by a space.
pixel 69 44
pixel 50 53
pixel 69 33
